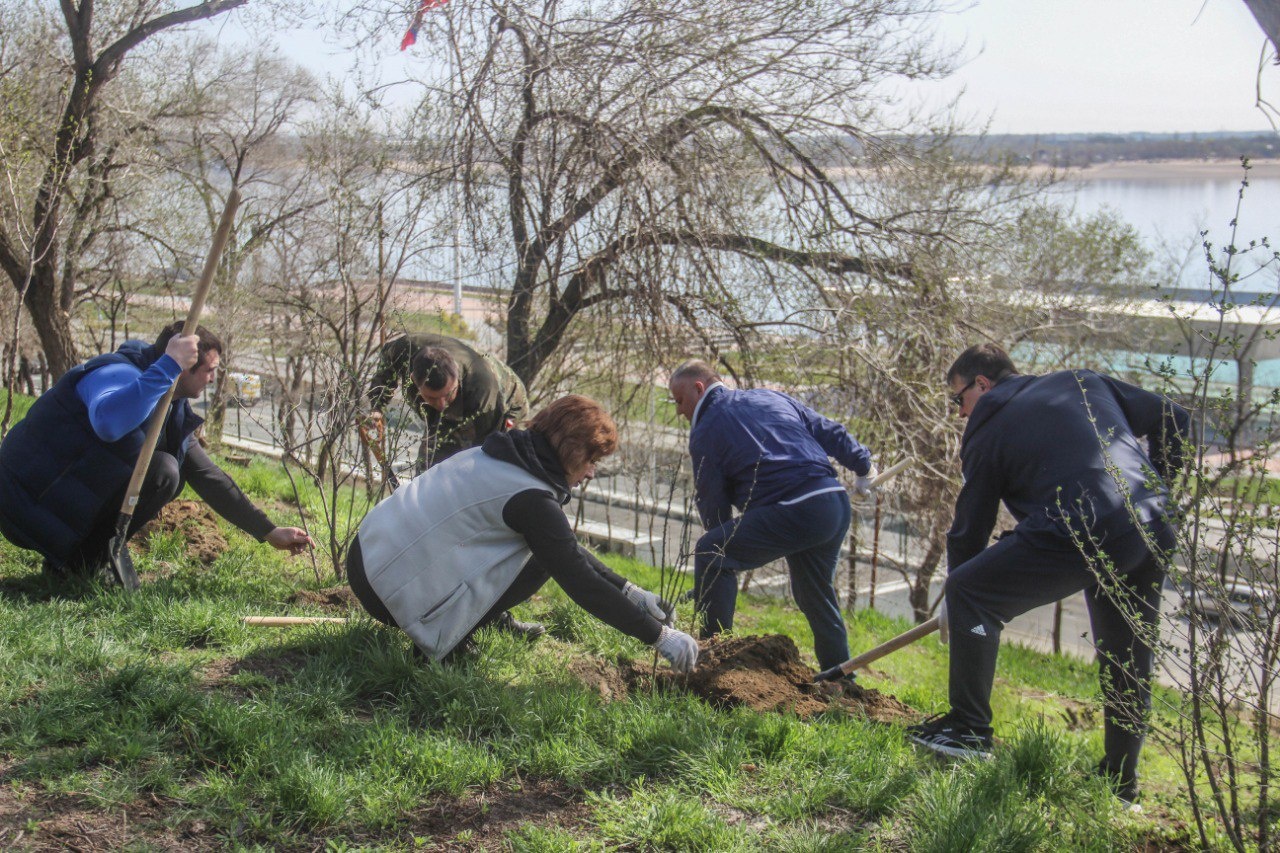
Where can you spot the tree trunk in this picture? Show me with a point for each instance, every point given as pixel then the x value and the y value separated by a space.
pixel 919 591
pixel 51 322
pixel 1057 628
pixel 215 415
pixel 851 595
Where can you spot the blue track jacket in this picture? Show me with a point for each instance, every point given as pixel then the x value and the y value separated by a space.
pixel 760 447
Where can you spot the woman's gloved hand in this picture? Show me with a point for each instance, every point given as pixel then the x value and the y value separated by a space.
pixel 650 603
pixel 680 650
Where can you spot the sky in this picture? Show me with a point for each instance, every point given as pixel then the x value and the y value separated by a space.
pixel 1045 66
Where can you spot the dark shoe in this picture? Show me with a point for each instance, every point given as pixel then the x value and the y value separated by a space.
pixel 844 687
pixel 940 734
pixel 528 630
pixel 1123 785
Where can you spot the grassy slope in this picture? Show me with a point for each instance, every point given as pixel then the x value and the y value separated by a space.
pixel 336 735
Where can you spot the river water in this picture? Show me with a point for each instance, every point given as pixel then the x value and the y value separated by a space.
pixel 1171 205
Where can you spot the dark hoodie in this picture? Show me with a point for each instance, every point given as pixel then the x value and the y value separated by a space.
pixel 539 517
pixel 1062 451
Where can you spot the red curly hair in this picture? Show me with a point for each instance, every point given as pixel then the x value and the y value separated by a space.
pixel 579 429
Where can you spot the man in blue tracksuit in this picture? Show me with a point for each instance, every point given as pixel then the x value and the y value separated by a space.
pixel 766 455
pixel 1063 452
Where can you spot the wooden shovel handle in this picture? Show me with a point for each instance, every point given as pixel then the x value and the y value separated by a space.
pixel 158 416
pixel 892 471
pixel 865 659
pixel 290 621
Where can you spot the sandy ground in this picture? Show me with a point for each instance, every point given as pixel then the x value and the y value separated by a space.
pixel 1173 170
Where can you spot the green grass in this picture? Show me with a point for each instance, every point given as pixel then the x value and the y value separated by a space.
pixel 336 736
pixel 21 403
pixel 1254 490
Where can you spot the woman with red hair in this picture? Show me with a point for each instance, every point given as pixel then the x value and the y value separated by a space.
pixel 482 531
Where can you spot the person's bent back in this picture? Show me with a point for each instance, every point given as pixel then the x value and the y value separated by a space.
pixel 473 536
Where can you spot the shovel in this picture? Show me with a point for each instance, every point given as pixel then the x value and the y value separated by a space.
pixel 865 659
pixel 118 560
pixel 291 621
pixel 892 471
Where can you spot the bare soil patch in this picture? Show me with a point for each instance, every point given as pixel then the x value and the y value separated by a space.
pixel 330 598
pixel 272 665
pixel 610 681
pixel 197 524
pixel 765 674
pixel 34 821
pixel 481 820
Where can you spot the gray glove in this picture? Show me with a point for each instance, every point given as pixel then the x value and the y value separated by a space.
pixel 680 650
pixel 944 623
pixel 649 602
pixel 862 485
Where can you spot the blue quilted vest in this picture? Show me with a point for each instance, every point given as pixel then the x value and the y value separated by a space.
pixel 57 478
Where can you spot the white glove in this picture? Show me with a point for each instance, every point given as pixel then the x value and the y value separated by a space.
pixel 944 623
pixel 680 650
pixel 862 485
pixel 649 602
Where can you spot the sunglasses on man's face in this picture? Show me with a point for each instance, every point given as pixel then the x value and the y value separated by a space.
pixel 958 397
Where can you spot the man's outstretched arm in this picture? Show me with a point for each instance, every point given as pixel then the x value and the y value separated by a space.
pixel 221 493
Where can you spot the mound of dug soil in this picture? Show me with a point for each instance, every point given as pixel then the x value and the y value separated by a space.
pixel 197 524
pixel 329 598
pixel 761 673
pixel 765 674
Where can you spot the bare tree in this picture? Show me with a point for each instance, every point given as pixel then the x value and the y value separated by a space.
pixel 234 124
pixel 668 163
pixel 43 228
pixel 1221 643
pixel 1024 272
pixel 331 287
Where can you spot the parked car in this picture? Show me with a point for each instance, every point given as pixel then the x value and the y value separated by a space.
pixel 1236 601
pixel 244 389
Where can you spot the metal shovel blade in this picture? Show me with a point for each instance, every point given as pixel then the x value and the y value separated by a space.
pixel 119 562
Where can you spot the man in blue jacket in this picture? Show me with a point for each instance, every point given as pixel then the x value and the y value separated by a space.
pixel 1063 452
pixel 64 467
pixel 766 455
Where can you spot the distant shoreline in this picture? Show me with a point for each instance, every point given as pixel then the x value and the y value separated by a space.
pixel 1170 170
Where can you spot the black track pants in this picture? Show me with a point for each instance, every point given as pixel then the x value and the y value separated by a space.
pixel 1122 592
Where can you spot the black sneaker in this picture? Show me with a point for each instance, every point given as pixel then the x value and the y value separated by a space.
pixel 528 630
pixel 1123 785
pixel 945 737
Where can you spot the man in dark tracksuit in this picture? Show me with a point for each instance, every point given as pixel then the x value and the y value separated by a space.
pixel 464 395
pixel 1062 451
pixel 767 455
pixel 64 467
